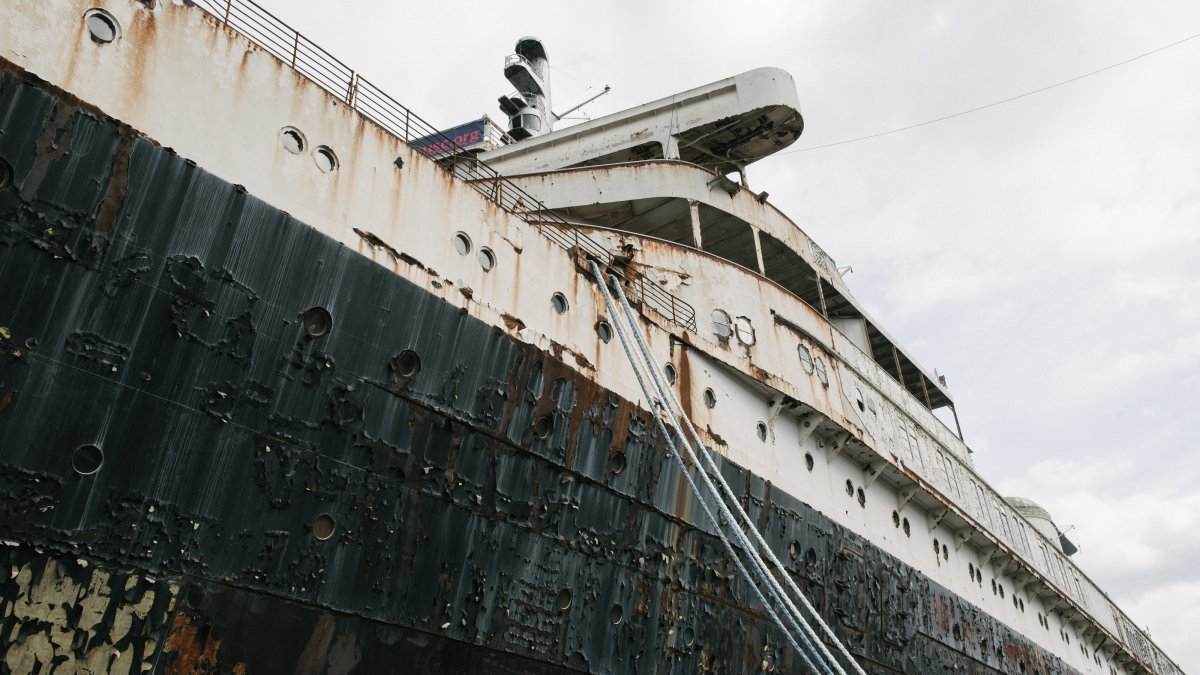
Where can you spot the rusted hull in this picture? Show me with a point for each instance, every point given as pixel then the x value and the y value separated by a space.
pixel 197 475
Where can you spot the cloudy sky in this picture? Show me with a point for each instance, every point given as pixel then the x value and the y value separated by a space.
pixel 1043 254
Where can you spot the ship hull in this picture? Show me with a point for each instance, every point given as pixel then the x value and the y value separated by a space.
pixel 230 444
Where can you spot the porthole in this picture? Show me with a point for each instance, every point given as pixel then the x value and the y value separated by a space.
pixel 326 161
pixel 710 398
pixel 937 547
pixel 559 302
pixel 616 615
pixel 971 571
pixel 102 26
pixel 945 552
pixel 822 375
pixel 744 331
pixel 794 549
pixel 849 488
pixel 87 459
pixel 6 174
pixel 604 331
pixel 406 364
pixel 810 559
pixel 806 359
pixel 858 400
pixel 862 497
pixel 689 636
pixel 993 587
pixel 616 463
pixel 1001 587
pixel 722 326
pixel 669 371
pixel 292 140
pixel 907 528
pixel 563 600
pixel 761 430
pixel 543 426
pixel 487 260
pixel 323 526
pixel 896 520
pixel 462 243
pixel 317 321
pixel 808 461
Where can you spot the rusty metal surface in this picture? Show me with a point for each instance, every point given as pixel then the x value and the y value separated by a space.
pixel 270 497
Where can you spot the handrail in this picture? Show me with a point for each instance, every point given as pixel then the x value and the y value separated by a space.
pixel 335 77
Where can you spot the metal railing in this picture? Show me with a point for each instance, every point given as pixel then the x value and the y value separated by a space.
pixel 321 68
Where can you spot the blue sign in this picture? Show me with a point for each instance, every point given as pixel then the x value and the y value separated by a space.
pixel 464 136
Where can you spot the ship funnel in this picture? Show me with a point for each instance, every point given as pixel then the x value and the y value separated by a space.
pixel 528 110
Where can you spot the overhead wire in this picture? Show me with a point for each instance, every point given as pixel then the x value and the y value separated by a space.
pixel 968 111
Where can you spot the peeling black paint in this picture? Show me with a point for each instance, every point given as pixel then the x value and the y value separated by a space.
pixel 458 530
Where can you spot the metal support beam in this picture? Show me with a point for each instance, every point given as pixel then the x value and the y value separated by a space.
pixel 872 472
pixel 936 518
pixel 838 447
pixel 906 495
pixel 694 210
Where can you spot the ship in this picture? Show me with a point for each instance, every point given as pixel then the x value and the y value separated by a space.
pixel 293 381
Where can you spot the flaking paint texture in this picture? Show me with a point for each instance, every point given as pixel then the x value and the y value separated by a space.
pixel 481 517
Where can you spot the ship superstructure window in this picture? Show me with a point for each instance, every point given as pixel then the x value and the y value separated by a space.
pixel 559 302
pixel 669 371
pixel 722 326
pixel 292 140
pixel 761 430
pixel 710 398
pixel 744 330
pixel 462 243
pixel 822 375
pixel 487 260
pixel 326 161
pixel 102 26
pixel 323 526
pixel 806 359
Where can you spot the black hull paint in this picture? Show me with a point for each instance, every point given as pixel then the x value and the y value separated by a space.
pixel 153 311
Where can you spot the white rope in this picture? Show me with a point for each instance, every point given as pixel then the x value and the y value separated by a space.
pixel 677 411
pixel 771 585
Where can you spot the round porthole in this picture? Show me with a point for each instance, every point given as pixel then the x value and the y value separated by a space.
pixel 858 400
pixel 102 26
pixel 907 528
pixel 563 600
pixel 604 331
pixel 710 398
pixel 462 243
pixel 292 140
pixel 895 519
pixel 761 430
pixel 487 259
pixel 559 302
pixel 616 615
pixel 669 371
pixel 323 526
pixel 6 174
pixel 822 375
pixel 808 461
pixel 326 161
pixel 87 459
pixel 542 426
pixel 794 549
pixel 616 463
pixel 805 358
pixel 317 321
pixel 862 498
pixel 405 364
pixel 849 487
